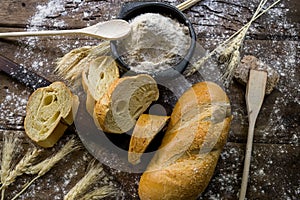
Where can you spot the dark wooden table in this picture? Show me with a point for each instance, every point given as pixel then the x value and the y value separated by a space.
pixel 274 38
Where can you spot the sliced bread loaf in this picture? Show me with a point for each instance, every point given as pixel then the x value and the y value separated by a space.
pixel 50 110
pixel 127 98
pixel 146 128
pixel 97 78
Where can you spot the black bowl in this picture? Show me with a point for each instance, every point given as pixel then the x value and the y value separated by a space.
pixel 131 10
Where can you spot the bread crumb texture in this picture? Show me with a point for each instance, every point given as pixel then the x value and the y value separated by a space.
pixel 127 98
pixel 146 128
pixel 97 78
pixel 50 110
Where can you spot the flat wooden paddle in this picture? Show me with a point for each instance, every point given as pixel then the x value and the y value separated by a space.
pixel 255 93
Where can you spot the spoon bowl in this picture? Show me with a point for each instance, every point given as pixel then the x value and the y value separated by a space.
pixel 110 30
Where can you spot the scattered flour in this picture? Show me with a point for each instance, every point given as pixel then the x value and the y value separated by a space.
pixel 287 65
pixel 47 15
pixel 17 103
pixel 51 9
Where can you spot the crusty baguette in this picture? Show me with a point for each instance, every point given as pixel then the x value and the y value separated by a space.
pixel 50 110
pixel 146 128
pixel 96 79
pixel 127 98
pixel 196 134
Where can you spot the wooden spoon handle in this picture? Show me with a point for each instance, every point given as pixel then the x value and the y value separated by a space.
pixel 38 33
pixel 110 30
pixel 255 93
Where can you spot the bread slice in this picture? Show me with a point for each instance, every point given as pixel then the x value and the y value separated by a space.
pixel 146 128
pixel 50 110
pixel 188 155
pixel 127 98
pixel 97 78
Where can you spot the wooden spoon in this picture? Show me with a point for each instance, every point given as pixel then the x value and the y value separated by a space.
pixel 255 94
pixel 109 30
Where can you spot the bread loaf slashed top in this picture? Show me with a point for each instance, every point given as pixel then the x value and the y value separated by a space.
pixel 186 159
pixel 127 98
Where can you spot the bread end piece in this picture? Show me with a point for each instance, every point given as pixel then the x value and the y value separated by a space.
pixel 49 112
pixel 185 179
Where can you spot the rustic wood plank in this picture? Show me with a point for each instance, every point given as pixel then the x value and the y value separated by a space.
pixel 277 112
pixel 274 39
pixel 50 14
pixel 273 175
pixel 13 100
pixel 218 18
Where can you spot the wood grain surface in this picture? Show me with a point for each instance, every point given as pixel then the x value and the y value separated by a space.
pixel 274 38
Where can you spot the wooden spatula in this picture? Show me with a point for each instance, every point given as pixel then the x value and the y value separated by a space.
pixel 255 93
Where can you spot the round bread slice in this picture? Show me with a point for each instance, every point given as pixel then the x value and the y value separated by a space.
pixel 97 78
pixel 127 98
pixel 146 128
pixel 50 110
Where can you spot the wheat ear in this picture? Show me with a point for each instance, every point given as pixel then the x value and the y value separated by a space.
pixel 228 42
pixel 100 193
pixel 234 46
pixel 187 4
pixel 43 167
pixel 71 65
pixel 9 148
pixel 70 60
pixel 92 176
pixel 21 167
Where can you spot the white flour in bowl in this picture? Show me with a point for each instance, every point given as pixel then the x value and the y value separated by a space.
pixel 155 43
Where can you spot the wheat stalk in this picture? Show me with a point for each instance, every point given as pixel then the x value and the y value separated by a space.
pixel 96 51
pixel 71 65
pixel 9 148
pixel 187 4
pixel 100 193
pixel 7 156
pixel 70 61
pixel 233 49
pixel 21 167
pixel 227 50
pixel 93 175
pixel 43 167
